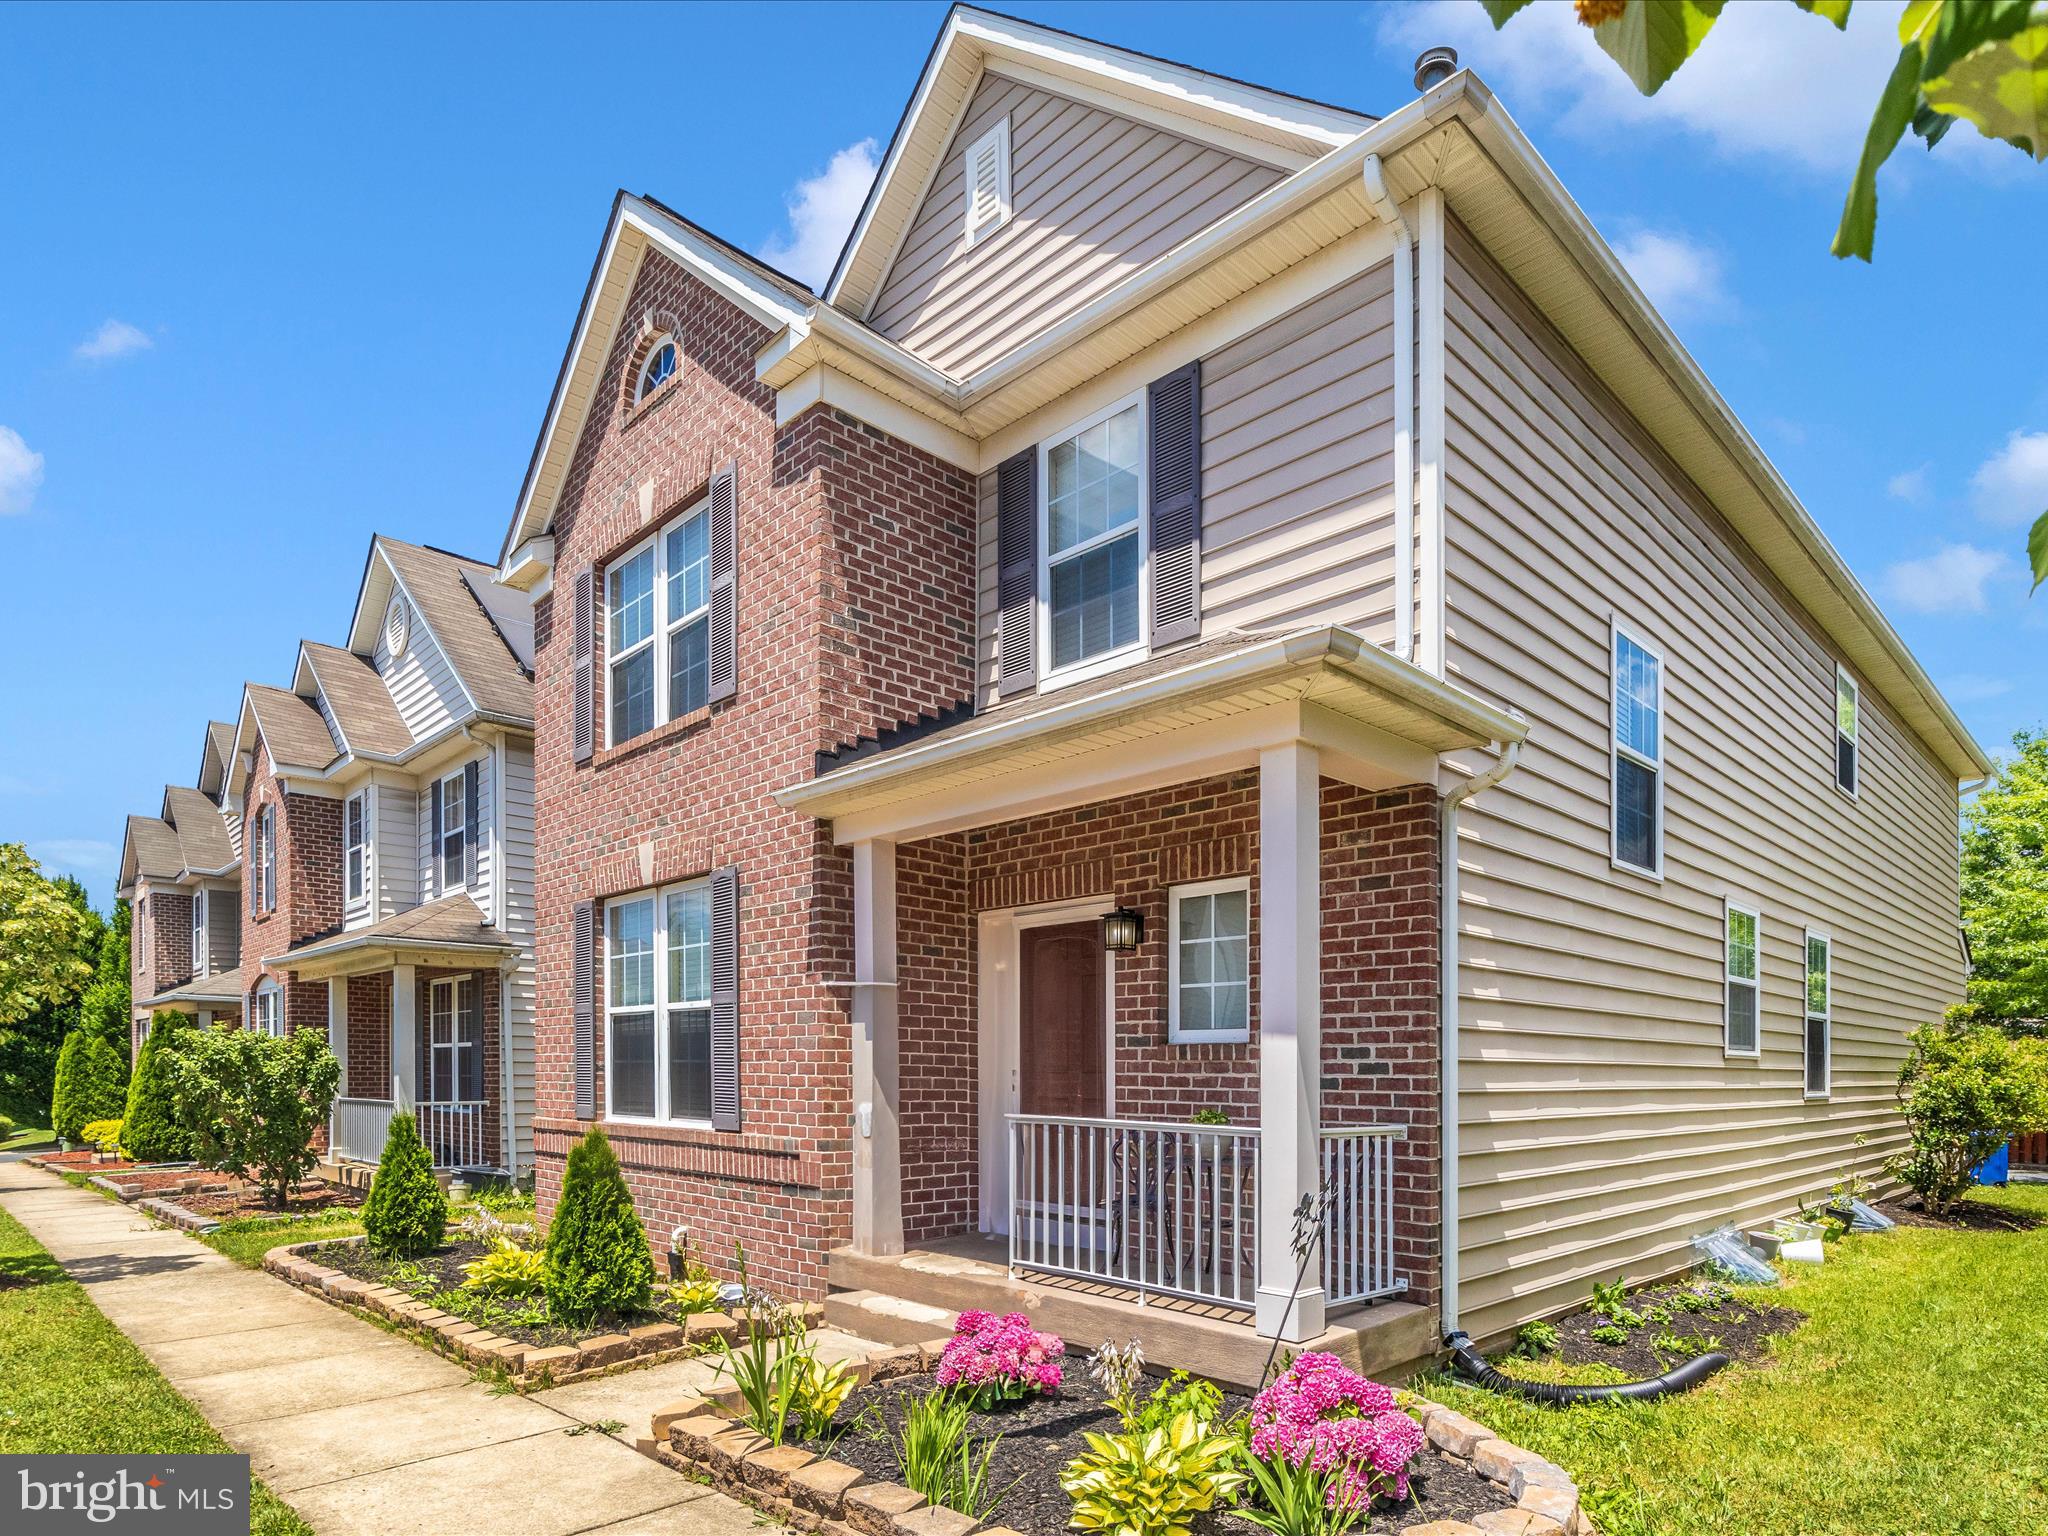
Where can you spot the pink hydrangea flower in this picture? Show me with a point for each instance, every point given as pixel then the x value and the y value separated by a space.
pixel 1323 1414
pixel 1001 1357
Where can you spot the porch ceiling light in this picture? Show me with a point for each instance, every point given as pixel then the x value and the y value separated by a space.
pixel 1122 930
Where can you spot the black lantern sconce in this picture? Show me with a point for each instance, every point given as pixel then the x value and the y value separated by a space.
pixel 1122 930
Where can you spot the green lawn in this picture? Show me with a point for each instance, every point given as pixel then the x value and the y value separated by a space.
pixel 1914 1402
pixel 248 1239
pixel 23 1137
pixel 71 1381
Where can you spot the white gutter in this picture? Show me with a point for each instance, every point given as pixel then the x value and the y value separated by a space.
pixel 1447 1050
pixel 1391 215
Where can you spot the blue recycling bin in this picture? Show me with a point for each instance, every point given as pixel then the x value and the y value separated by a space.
pixel 1995 1169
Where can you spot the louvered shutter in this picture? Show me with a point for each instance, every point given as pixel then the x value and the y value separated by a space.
pixel 724 662
pixel 252 866
pixel 1175 481
pixel 1017 571
pixel 423 1040
pixel 472 780
pixel 434 863
pixel 585 1034
pixel 472 1027
pixel 725 999
pixel 584 727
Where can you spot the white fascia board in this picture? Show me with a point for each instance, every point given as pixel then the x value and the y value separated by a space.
pixel 525 568
pixel 823 384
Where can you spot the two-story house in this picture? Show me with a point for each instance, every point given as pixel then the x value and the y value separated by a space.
pixel 387 805
pixel 181 875
pixel 1226 606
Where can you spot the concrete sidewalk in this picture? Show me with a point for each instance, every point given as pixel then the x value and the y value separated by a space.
pixel 359 1431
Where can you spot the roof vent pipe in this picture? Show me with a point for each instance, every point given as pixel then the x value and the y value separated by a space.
pixel 1433 66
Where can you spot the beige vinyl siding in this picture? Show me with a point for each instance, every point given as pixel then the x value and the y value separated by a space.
pixel 1093 197
pixel 428 851
pixel 395 861
pixel 1297 472
pixel 1601 1124
pixel 518 922
pixel 423 686
pixel 223 928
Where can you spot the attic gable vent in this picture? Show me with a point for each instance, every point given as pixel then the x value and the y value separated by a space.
pixel 397 625
pixel 988 182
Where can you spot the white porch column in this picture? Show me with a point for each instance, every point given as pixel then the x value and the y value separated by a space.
pixel 1290 1032
pixel 405 1038
pixel 337 1026
pixel 877 1144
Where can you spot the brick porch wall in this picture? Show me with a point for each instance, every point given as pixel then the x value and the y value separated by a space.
pixel 369 1037
pixel 1380 977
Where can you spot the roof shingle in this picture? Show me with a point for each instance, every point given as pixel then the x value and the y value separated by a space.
pixel 362 705
pixel 438 584
pixel 292 728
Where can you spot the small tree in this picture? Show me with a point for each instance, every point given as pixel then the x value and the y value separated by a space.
pixel 88 1085
pixel 151 1129
pixel 253 1102
pixel 1965 1093
pixel 406 1212
pixel 597 1256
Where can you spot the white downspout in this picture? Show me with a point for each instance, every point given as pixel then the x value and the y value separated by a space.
pixel 1447 1050
pixel 1429 465
pixel 1391 215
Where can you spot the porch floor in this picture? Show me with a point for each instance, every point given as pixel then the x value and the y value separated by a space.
pixel 910 1297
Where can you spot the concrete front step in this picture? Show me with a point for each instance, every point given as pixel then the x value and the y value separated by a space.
pixel 887 1319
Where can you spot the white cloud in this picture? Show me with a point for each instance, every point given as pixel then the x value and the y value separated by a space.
pixel 1680 276
pixel 1910 484
pixel 1951 580
pixel 2011 486
pixel 1767 81
pixel 114 338
pixel 75 855
pixel 1974 687
pixel 822 209
pixel 21 471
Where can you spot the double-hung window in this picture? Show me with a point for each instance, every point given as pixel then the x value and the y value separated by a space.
pixel 1820 1002
pixel 266 1008
pixel 1093 534
pixel 454 1051
pixel 199 933
pixel 1638 755
pixel 356 842
pixel 449 846
pixel 263 865
pixel 1741 982
pixel 658 1005
pixel 1848 705
pixel 1208 963
pixel 658 627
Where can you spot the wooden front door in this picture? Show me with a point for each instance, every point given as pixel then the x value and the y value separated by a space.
pixel 1062 1047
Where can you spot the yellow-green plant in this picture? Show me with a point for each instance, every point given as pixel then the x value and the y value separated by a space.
pixel 944 1462
pixel 821 1390
pixel 104 1134
pixel 507 1270
pixel 1151 1483
pixel 695 1295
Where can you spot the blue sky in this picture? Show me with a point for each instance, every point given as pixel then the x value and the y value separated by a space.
pixel 274 279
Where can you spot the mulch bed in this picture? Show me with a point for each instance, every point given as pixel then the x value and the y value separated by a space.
pixel 1744 1330
pixel 156 1181
pixel 1042 1434
pixel 242 1198
pixel 81 1160
pixel 444 1267
pixel 1964 1216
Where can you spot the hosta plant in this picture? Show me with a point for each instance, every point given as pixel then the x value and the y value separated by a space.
pixel 1151 1482
pixel 507 1270
pixel 1322 1413
pixel 1000 1359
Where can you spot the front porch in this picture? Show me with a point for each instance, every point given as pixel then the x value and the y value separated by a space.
pixel 1214 1122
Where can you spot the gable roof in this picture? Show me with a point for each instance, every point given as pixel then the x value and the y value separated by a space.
pixel 1273 126
pixel 203 845
pixel 446 591
pixel 214 759
pixel 290 726
pixel 149 851
pixel 357 698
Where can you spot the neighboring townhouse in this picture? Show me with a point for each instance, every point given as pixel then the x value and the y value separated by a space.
pixel 387 803
pixel 1210 567
pixel 180 872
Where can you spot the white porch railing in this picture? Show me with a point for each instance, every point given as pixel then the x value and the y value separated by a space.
pixel 357 1128
pixel 1358 1219
pixel 455 1132
pixel 1159 1207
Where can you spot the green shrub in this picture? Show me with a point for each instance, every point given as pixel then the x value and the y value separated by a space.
pixel 1536 1339
pixel 597 1254
pixel 151 1130
pixel 1965 1093
pixel 406 1212
pixel 88 1085
pixel 1151 1483
pixel 507 1270
pixel 253 1102
pixel 103 1134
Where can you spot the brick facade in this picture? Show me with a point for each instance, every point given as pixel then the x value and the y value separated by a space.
pixel 160 943
pixel 369 1037
pixel 308 891
pixel 853 553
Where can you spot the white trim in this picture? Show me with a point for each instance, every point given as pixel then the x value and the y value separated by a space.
pixel 1245 146
pixel 360 897
pixel 202 946
pixel 1175 895
pixel 456 1044
pixel 641 388
pixel 1617 631
pixel 658 1007
pixel 1853 736
pixel 999 983
pixel 663 628
pixel 1431 429
pixel 442 885
pixel 1807 1016
pixel 995 141
pixel 1051 678
pixel 266 1008
pixel 1730 981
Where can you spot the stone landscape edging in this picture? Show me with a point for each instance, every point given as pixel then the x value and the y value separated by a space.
pixel 528 1365
pixel 704 1437
pixel 170 1211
